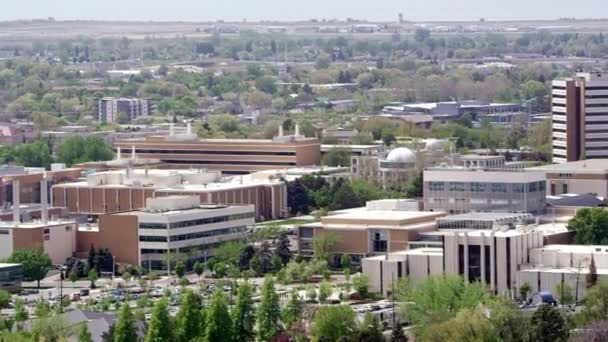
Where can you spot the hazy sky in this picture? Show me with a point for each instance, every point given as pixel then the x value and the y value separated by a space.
pixel 194 10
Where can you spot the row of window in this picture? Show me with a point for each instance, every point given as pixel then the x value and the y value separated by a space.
pixel 485 187
pixel 192 236
pixel 236 153
pixel 197 222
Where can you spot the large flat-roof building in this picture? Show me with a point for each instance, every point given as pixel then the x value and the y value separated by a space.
pixel 173 224
pixel 577 177
pixel 460 190
pixel 233 156
pixel 361 233
pixel 580 117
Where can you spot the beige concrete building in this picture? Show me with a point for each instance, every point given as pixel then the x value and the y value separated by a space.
pixel 367 232
pixel 465 189
pixel 174 224
pixel 578 177
pixel 232 156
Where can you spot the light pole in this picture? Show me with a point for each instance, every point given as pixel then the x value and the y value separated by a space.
pixel 113 268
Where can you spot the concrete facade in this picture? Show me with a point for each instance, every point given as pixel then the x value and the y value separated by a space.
pixel 580 117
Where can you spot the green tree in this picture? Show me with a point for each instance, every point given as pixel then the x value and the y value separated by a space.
pixel 334 323
pixel 93 276
pixel 78 149
pixel 524 289
pixel 282 249
pixel 293 310
pixel 229 252
pixel 125 330
pixel 323 244
pixel 361 284
pixel 563 291
pixel 413 187
pixel 244 314
pixel 324 291
pixel 588 226
pixel 5 299
pixel 73 277
pixel 595 304
pixel 547 325
pixel 369 329
pixel 345 261
pixel 467 325
pixel 438 299
pixel 592 275
pixel 21 314
pixel 266 84
pixel 35 263
pixel 269 312
pixel 218 324
pixel 397 334
pixel 198 268
pixel 337 157
pixel 322 62
pixel 160 328
pixel 180 269
pixel 188 322
pixel 83 333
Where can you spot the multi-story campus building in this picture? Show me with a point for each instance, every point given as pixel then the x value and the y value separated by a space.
pixel 112 110
pixel 174 225
pixel 365 232
pixel 233 156
pixel 461 190
pixel 11 276
pixel 578 177
pixel 580 117
pixel 125 190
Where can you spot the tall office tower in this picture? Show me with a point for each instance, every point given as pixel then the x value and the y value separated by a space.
pixel 580 117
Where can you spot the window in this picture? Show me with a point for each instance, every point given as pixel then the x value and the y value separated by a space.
pixel 478 187
pixel 216 232
pixel 542 186
pixel 518 188
pixel 532 187
pixel 436 186
pixel 457 186
pixel 499 187
pixel 153 239
pixel 306 233
pixel 210 220
pixel 564 188
pixel 4 232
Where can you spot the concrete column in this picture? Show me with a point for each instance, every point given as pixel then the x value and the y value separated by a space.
pixel 16 203
pixel 492 263
pixel 482 248
pixel 466 257
pixel 44 214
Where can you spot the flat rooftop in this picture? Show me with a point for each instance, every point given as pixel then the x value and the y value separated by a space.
pixel 34 224
pixel 581 166
pixel 579 249
pixel 209 208
pixel 383 215
pixel 8 265
pixel 482 216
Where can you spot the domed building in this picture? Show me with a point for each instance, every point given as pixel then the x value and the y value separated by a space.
pixel 399 165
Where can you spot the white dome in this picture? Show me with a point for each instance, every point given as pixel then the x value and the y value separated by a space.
pixel 434 145
pixel 401 155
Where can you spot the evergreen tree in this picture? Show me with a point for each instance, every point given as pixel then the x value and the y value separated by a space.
pixel 397 334
pixel 293 310
pixel 244 314
pixel 188 320
pixel 91 257
pixel 125 330
pixel 592 275
pixel 246 255
pixel 83 333
pixel 218 325
pixel 369 329
pixel 282 250
pixel 160 328
pixel 262 261
pixel 547 325
pixel 198 268
pixel 269 312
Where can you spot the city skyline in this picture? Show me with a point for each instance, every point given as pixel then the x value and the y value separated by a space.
pixel 382 10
